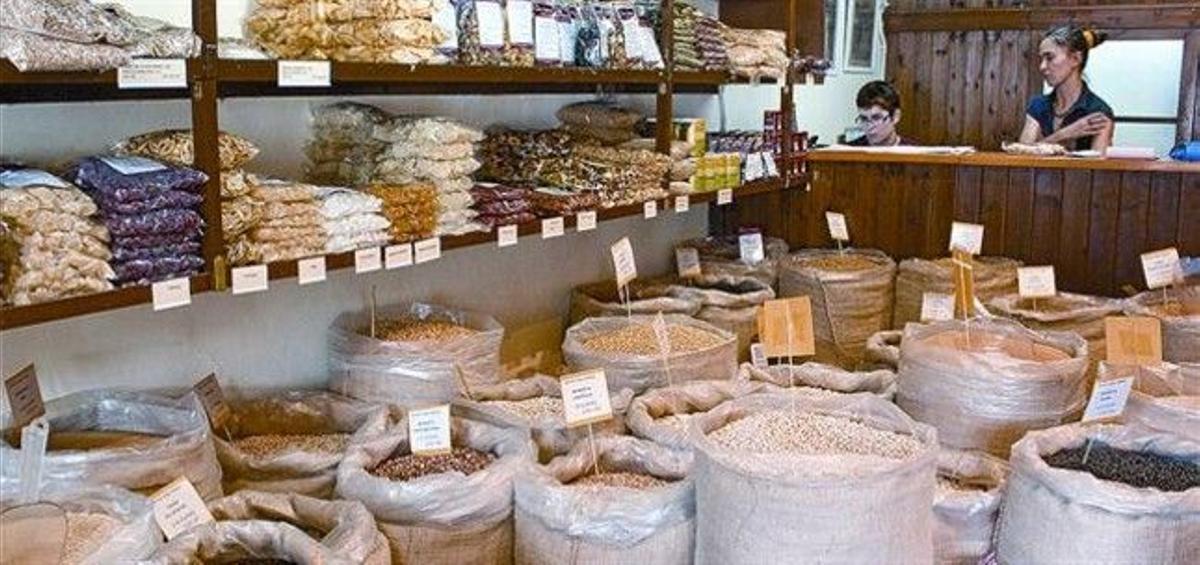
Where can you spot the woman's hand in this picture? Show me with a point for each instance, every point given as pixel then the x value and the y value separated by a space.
pixel 1092 124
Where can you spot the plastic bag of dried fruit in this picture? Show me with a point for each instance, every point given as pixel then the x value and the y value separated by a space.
pixel 1165 397
pixel 627 349
pixel 661 415
pixel 650 296
pixel 1180 317
pixel 440 518
pixel 104 524
pixel 135 440
pixel 291 441
pixel 881 382
pixel 966 505
pixel 246 541
pixel 535 403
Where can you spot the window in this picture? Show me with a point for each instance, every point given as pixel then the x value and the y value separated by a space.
pixel 832 44
pixel 1140 81
pixel 861 35
pixel 853 34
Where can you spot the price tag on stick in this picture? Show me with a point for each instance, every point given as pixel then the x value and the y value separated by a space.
pixel 429 430
pixel 751 247
pixel 1162 268
pixel 24 397
pixel 1133 341
pixel 1109 396
pixel 838 229
pixel 623 262
pixel 585 398
pixel 785 327
pixel 179 508
pixel 687 262
pixel 1036 282
pixel 937 307
pixel 213 400
pixel 966 237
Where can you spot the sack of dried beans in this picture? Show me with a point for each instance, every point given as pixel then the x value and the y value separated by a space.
pixel 728 302
pixel 1063 312
pixel 1165 397
pixel 175 146
pixel 883 348
pixel 823 377
pixel 966 505
pixel 1180 316
pixel 246 541
pixel 662 415
pixel 98 524
pixel 646 296
pixel 721 255
pixel 993 276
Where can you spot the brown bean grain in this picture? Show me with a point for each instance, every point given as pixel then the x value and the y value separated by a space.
pixel 408 466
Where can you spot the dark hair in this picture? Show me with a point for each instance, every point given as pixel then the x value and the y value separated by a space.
pixel 1077 39
pixel 879 93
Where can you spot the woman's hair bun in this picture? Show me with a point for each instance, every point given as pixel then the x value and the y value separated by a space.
pixel 1090 37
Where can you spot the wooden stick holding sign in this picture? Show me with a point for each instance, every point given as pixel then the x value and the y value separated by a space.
pixel 374 307
pixel 964 290
pixel 1036 282
pixel 785 329
pixel 586 402
pixel 838 230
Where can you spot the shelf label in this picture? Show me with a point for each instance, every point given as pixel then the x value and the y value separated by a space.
pixel 937 307
pixel 585 398
pixel 758 355
pixel 490 17
pixel 650 209
pixel 429 430
pixel 397 256
pixel 1108 398
pixel 682 204
pixel 785 327
pixel 966 237
pixel 552 228
pixel 623 262
pixel 368 260
pixel 546 41
pixel 724 196
pixel 171 293
pixel 179 508
pixel 687 262
pixel 249 279
pixel 506 236
pixel 751 248
pixel 311 270
pixel 24 397
pixel 585 221
pixel 1036 282
pixel 1133 340
pixel 213 400
pixel 304 74
pixel 153 73
pixel 1162 268
pixel 837 226
pixel 427 250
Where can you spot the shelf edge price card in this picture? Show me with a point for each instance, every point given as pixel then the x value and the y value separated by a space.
pixel 368 260
pixel 1133 341
pixel 208 390
pixel 837 226
pixel 682 204
pixel 937 307
pixel 585 398
pixel 785 327
pixel 24 397
pixel 429 430
pixel 304 74
pixel 750 246
pixel 171 293
pixel 1109 396
pixel 153 73
pixel 966 237
pixel 724 196
pixel 249 279
pixel 1036 282
pixel 1162 268
pixel 179 508
pixel 311 270
pixel 427 250
pixel 396 256
pixel 553 227
pixel 650 209
pixel 623 262
pixel 506 236
pixel 687 262
pixel 585 221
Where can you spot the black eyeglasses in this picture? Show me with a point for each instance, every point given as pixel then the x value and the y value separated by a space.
pixel 873 119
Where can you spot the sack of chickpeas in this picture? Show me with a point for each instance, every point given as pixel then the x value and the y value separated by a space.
pixel 662 415
pixel 1179 311
pixel 74 524
pixel 628 350
pixel 1165 397
pixel 630 502
pixel 650 296
pixel 966 505
pixel 440 509
pixel 413 355
pixel 139 441
pixel 728 302
pixel 291 441
pixel 819 377
pixel 1063 312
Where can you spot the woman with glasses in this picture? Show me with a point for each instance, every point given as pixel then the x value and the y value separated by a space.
pixel 878 113
pixel 1071 115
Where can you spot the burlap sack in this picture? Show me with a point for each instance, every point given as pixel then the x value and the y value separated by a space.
pixel 133 440
pixel 721 255
pixel 136 536
pixel 1180 321
pixel 986 390
pixel 559 523
pixel 1053 515
pixel 244 540
pixel 642 372
pixel 964 520
pixel 646 412
pixel 290 413
pixel 447 518
pixel 883 348
pixel 551 435
pixel 994 276
pixel 847 306
pixel 880 382
pixel 756 508
pixel 650 296
pixel 1164 397
pixel 730 303
pixel 412 373
pixel 1065 312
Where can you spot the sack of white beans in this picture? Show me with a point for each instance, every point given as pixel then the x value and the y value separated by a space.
pixel 966 505
pixel 291 441
pixel 535 404
pixel 1180 316
pixel 785 479
pixel 1063 312
pixel 134 440
pixel 640 508
pixel 662 415
pixel 651 296
pixel 993 276
pixel 731 303
pixel 1165 397
pixel 246 541
pixel 104 524
pixel 820 376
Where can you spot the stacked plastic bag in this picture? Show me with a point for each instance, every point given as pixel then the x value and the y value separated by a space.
pixel 411 209
pixel 498 205
pixel 55 248
pixel 699 44
pixel 599 121
pixel 292 226
pixel 380 31
pixel 756 53
pixel 352 219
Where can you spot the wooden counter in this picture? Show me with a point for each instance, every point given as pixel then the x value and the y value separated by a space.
pixel 1090 218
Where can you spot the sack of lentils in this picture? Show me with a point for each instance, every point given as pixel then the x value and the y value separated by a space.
pixel 994 276
pixel 535 404
pixel 1101 494
pixel 966 505
pixel 722 255
pixel 986 382
pixel 632 503
pixel 415 354
pixel 100 524
pixel 628 351
pixel 440 509
pixel 883 348
pixel 662 415
pixel 246 541
pixel 781 478
pixel 134 440
pixel 650 296
pixel 1165 397
pixel 728 302
pixel 1064 312
pixel 291 441
pixel 851 295
pixel 822 377
pixel 344 526
pixel 1180 316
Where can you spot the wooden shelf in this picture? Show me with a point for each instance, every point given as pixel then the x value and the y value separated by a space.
pixel 19 316
pixel 18 87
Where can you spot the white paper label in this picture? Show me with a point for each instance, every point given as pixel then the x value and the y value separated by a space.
pixel 427 250
pixel 304 74
pixel 724 196
pixel 249 279
pixel 630 30
pixel 585 398
pixel 429 430
pixel 552 227
pixel 966 237
pixel 171 293
pixel 21 178
pixel 520 22
pixel 153 73
pixel 585 221
pixel 758 355
pixel 682 204
pixel 311 270
pixel 650 209
pixel 649 47
pixel 396 256
pixel 491 24
pixel 837 226
pixel 368 260
pixel 566 38
pixel 769 165
pixel 446 18
pixel 1162 268
pixel 623 261
pixel 1036 282
pixel 751 246
pixel 179 508
pixel 687 262
pixel 1108 399
pixel 133 165
pixel 506 236
pixel 937 307
pixel 547 45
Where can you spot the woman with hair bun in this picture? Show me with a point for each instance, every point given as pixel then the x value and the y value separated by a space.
pixel 1071 115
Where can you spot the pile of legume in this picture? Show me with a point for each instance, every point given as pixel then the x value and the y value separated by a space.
pixel 639 339
pixel 1142 469
pixel 784 431
pixel 419 330
pixel 268 445
pixel 408 467
pixel 620 479
pixel 536 408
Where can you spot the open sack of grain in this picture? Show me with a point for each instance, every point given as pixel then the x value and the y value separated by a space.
pixel 993 277
pixel 75 524
pixel 415 354
pixel 139 441
pixel 649 296
pixel 883 348
pixel 819 377
pixel 729 302
pixel 1132 496
pixel 782 479
pixel 1180 316
pixel 246 541
pixel 662 415
pixel 291 441
pixel 639 508
pixel 984 383
pixel 1063 312
pixel 535 404
pixel 722 255
pixel 1165 397
pixel 966 505
pixel 440 509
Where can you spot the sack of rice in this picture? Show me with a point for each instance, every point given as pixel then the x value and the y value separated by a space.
pixel 721 255
pixel 851 295
pixel 1180 317
pixel 627 349
pixel 535 404
pixel 246 541
pixel 819 376
pixel 651 296
pixel 632 503
pixel 1165 397
pixel 993 276
pixel 728 302
pixel 291 441
pixel 986 382
pixel 883 348
pixel 1063 312
pixel 415 356
pixel 662 415
pixel 75 524
pixel 1101 494
pixel 786 479
pixel 966 505
pixel 440 509
pixel 138 441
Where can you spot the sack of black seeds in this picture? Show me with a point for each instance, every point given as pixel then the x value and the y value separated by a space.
pixel 1132 496
pixel 966 505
